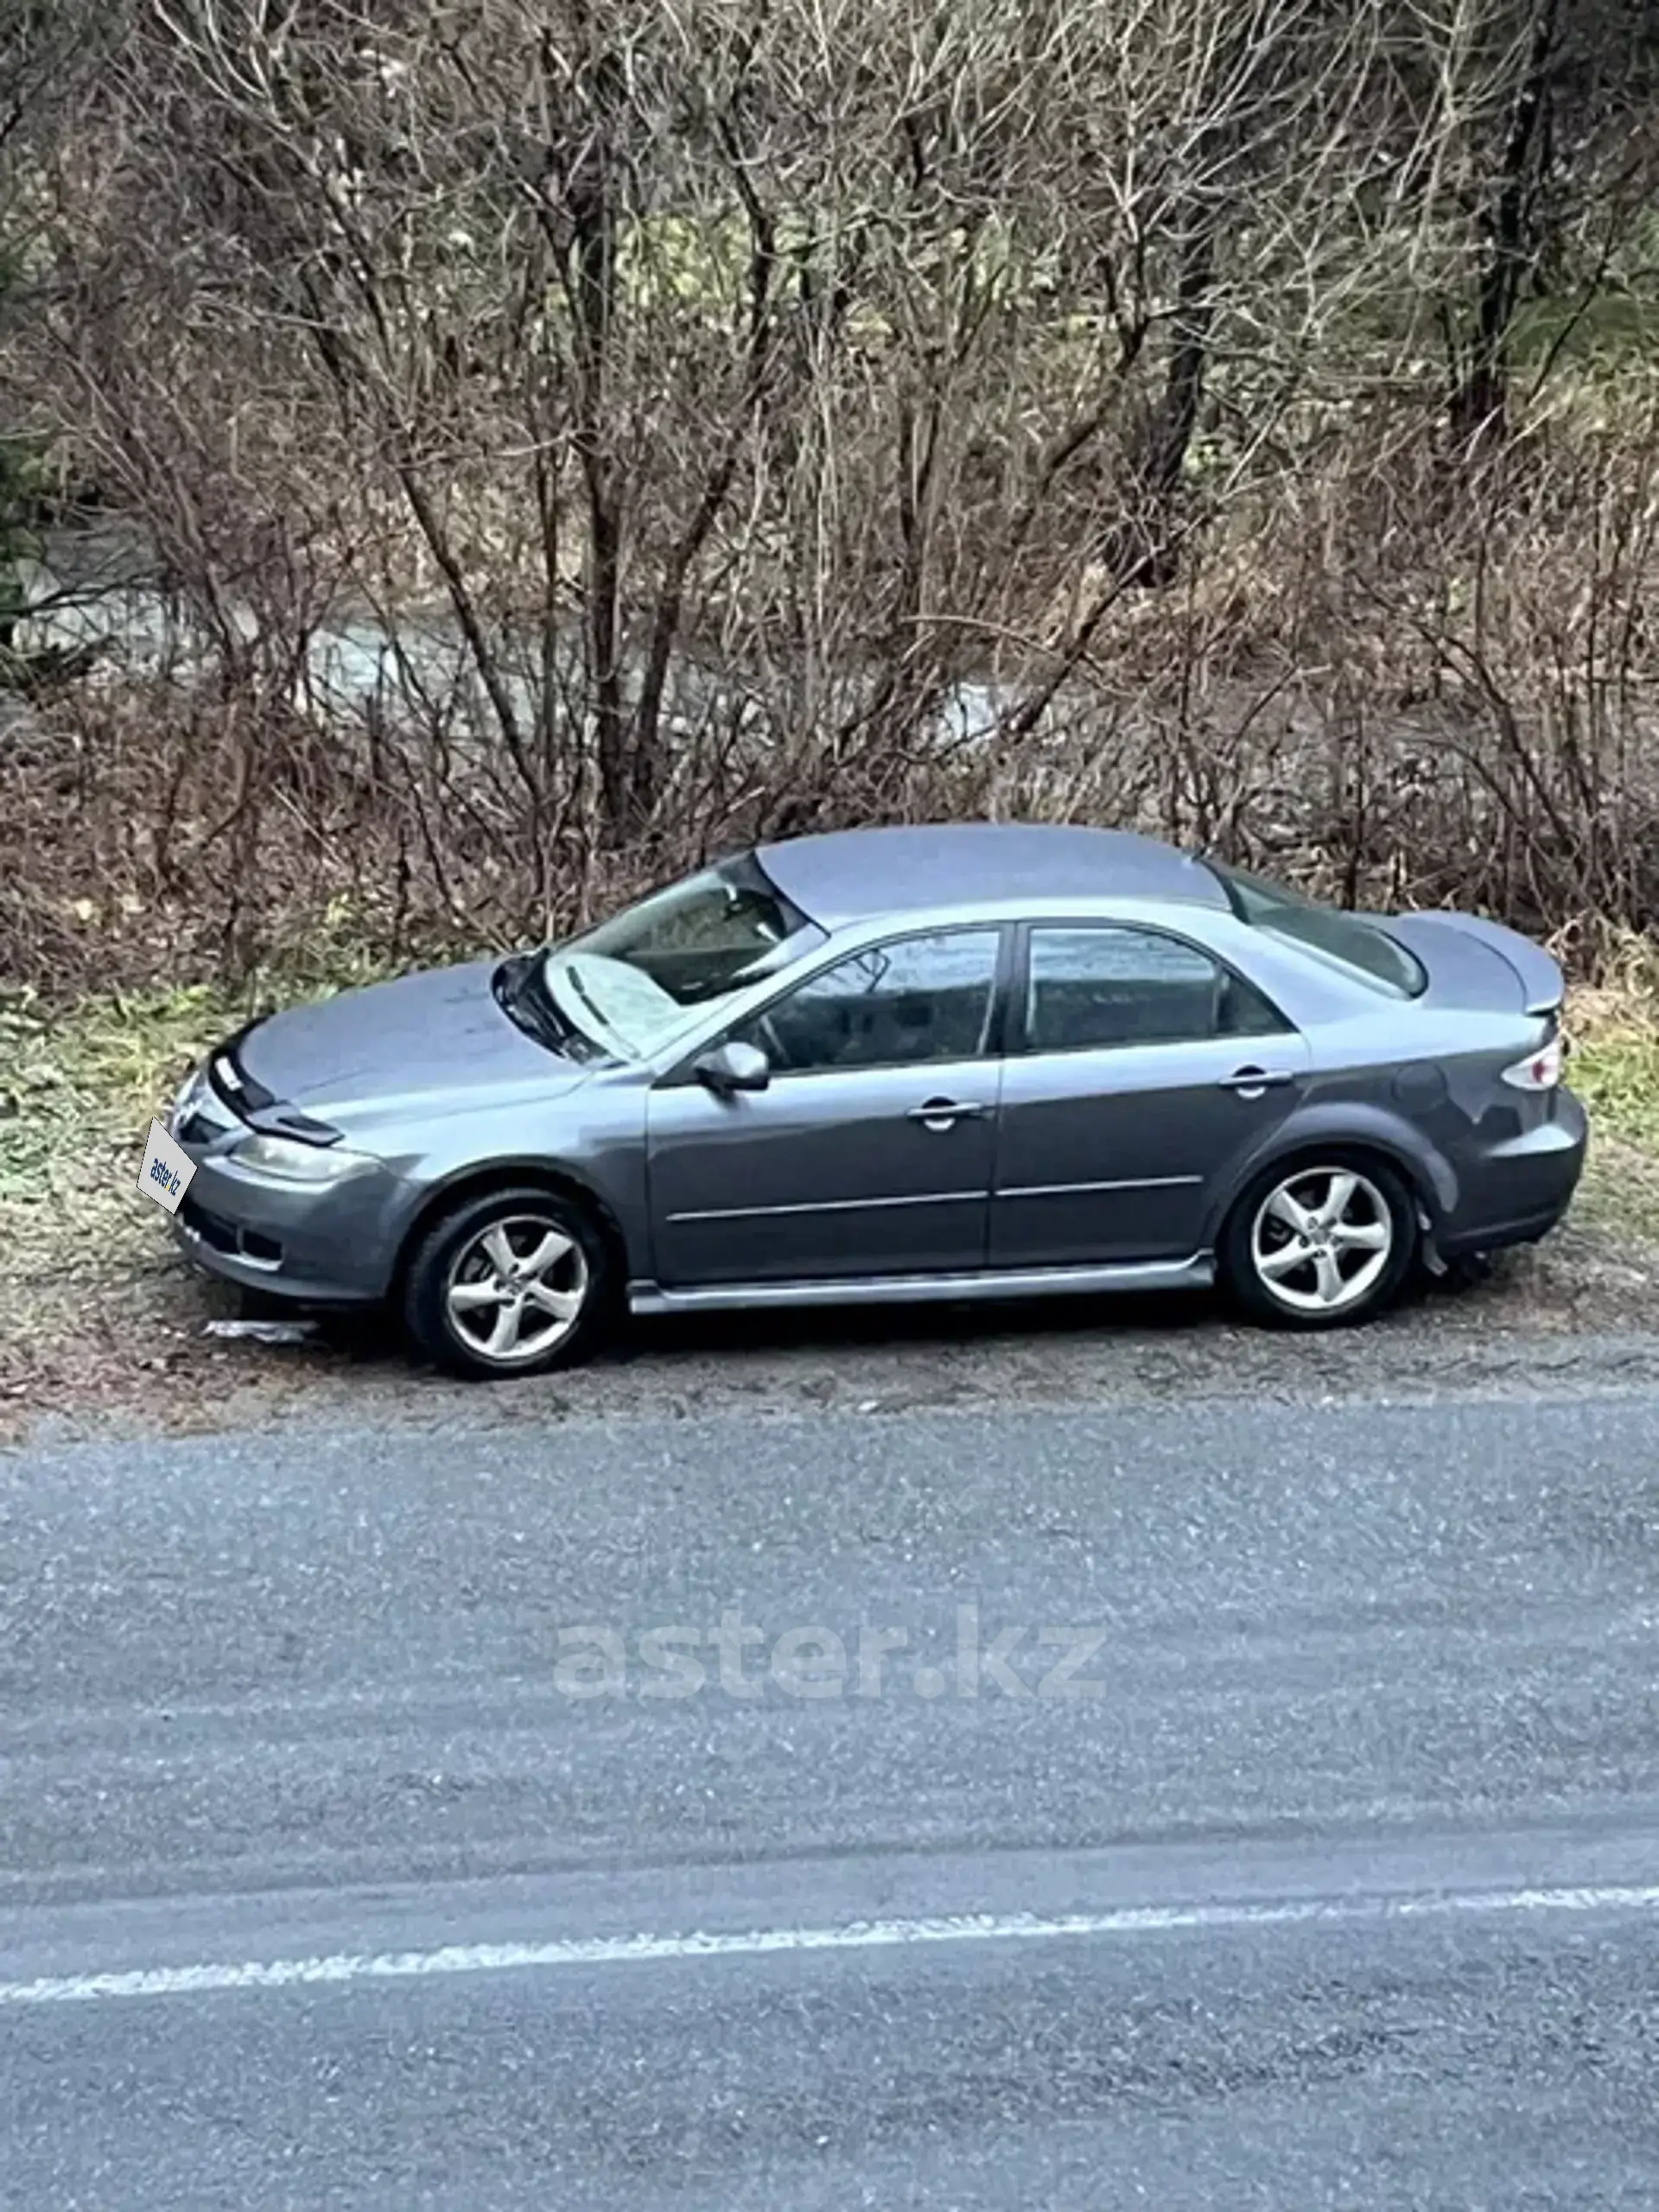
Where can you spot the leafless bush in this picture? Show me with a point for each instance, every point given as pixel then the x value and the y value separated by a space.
pixel 693 413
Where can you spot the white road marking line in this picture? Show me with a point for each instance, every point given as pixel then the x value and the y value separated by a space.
pixel 858 1936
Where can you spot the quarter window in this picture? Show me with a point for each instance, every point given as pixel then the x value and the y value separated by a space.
pixel 1102 986
pixel 899 1005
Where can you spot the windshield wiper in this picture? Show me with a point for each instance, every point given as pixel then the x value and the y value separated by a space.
pixel 583 992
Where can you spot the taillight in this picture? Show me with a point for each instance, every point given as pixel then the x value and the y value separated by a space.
pixel 1542 1072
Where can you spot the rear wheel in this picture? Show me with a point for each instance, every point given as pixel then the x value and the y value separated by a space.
pixel 1320 1244
pixel 512 1283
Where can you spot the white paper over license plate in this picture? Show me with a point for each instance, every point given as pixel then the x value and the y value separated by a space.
pixel 165 1175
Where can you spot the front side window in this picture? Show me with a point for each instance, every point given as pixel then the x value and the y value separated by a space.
pixel 1366 951
pixel 636 981
pixel 899 1005
pixel 1090 989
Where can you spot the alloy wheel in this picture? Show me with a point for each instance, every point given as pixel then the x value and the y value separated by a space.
pixel 1322 1240
pixel 517 1289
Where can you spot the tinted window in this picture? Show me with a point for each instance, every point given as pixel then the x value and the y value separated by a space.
pixel 1367 951
pixel 1102 986
pixel 921 998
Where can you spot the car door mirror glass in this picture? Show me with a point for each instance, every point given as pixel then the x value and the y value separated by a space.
pixel 732 1067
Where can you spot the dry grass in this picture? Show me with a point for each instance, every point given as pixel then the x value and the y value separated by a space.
pixel 90 1287
pixel 1614 1024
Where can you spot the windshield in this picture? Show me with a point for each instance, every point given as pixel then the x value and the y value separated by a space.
pixel 635 982
pixel 1359 946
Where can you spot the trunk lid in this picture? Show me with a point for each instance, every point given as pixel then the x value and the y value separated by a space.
pixel 1474 962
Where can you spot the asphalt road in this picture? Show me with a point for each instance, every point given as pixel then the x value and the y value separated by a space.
pixel 1213 1806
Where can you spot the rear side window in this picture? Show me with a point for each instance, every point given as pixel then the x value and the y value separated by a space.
pixel 1368 953
pixel 1093 987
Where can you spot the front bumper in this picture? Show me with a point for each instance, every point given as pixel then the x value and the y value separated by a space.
pixel 332 1244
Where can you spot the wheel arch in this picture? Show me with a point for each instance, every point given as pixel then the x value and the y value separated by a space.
pixel 480 1181
pixel 1427 1173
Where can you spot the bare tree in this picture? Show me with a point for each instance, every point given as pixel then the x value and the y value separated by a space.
pixel 721 417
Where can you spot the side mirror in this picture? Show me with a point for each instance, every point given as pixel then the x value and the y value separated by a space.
pixel 732 1067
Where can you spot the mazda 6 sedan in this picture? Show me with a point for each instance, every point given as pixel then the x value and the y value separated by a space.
pixel 978 1061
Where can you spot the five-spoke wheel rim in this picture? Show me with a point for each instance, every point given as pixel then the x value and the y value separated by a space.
pixel 1322 1240
pixel 517 1289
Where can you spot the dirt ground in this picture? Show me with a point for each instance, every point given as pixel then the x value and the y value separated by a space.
pixel 129 1353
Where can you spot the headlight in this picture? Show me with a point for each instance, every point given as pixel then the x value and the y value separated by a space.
pixel 299 1163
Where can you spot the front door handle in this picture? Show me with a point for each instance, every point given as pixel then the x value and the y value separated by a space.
pixel 942 1113
pixel 1250 1082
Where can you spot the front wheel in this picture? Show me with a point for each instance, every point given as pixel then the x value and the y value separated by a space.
pixel 1320 1245
pixel 512 1283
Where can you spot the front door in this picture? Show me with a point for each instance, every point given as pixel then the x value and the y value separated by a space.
pixel 1130 1091
pixel 869 1153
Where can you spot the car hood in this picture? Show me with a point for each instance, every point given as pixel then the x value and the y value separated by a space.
pixel 428 1040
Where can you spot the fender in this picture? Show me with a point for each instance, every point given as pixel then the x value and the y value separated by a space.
pixel 497 1173
pixel 1426 1169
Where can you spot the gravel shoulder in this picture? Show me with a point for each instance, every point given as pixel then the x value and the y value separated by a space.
pixel 1579 1313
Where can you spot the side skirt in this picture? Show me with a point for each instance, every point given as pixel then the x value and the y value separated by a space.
pixel 1196 1274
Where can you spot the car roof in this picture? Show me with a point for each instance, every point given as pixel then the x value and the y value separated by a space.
pixel 856 876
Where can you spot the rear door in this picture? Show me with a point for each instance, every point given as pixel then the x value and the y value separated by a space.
pixel 869 1153
pixel 1141 1069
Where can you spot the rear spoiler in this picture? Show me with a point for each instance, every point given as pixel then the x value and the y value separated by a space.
pixel 1543 987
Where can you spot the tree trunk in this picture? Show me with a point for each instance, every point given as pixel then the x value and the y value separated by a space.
pixel 1479 409
pixel 1144 548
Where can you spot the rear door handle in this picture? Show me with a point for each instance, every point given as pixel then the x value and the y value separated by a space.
pixel 1250 1082
pixel 940 1112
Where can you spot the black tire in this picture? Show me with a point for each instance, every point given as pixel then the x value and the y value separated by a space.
pixel 446 1252
pixel 1390 1202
